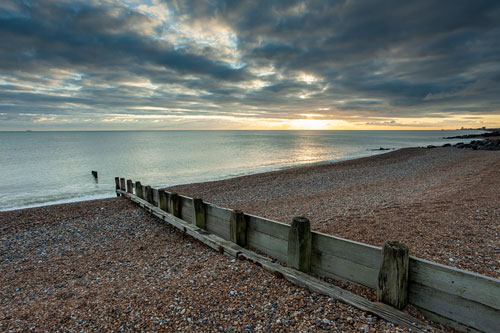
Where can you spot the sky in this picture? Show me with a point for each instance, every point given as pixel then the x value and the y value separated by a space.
pixel 165 65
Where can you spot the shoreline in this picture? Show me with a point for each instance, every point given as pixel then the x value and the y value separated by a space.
pixel 404 195
pixel 90 197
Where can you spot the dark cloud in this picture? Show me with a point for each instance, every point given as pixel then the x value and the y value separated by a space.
pixel 342 59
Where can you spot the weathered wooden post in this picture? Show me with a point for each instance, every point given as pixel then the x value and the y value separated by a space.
pixel 149 194
pixel 122 184
pixel 117 183
pixel 199 217
pixel 175 205
pixel 130 188
pixel 299 244
pixel 393 275
pixel 138 190
pixel 163 200
pixel 238 228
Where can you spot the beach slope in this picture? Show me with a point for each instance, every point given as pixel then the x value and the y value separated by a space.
pixel 442 202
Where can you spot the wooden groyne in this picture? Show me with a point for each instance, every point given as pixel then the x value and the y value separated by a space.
pixel 462 299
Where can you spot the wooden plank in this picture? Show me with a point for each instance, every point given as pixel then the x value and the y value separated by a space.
pixel 363 254
pixel 218 226
pixel 336 267
pixel 451 323
pixel 156 197
pixel 199 215
pixel 273 228
pixel 470 313
pixel 301 279
pixel 218 212
pixel 469 285
pixel 272 246
pixel 187 208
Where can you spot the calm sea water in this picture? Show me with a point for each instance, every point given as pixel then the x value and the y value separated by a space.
pixel 38 168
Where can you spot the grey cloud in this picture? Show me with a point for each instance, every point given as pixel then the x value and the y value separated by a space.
pixel 369 58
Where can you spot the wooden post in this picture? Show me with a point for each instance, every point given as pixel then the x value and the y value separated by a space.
pixel 299 244
pixel 175 205
pixel 138 190
pixel 393 275
pixel 148 196
pixel 122 184
pixel 199 217
pixel 163 200
pixel 117 182
pixel 129 186
pixel 238 228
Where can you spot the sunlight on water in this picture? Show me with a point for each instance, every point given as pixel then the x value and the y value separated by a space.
pixel 41 167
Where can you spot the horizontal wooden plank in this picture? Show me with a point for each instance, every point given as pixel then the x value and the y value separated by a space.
pixel 186 202
pixel 363 254
pixel 473 314
pixel 275 247
pixel 273 228
pixel 443 320
pixel 186 208
pixel 218 212
pixel 335 267
pixel 218 226
pixel 471 286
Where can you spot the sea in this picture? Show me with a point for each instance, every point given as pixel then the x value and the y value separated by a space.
pixel 42 168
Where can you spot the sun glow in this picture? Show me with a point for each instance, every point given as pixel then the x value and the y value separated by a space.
pixel 311 124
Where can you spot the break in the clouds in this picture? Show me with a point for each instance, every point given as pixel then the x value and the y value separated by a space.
pixel 257 64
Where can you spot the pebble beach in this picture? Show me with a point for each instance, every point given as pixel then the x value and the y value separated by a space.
pixel 443 203
pixel 110 265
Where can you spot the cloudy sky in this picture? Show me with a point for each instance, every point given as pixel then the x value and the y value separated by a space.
pixel 117 64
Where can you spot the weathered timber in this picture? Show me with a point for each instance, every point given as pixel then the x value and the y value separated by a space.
pixel 94 173
pixel 199 213
pixel 163 200
pixel 359 253
pixel 155 196
pixel 299 244
pixel 130 186
pixel 266 226
pixel 301 279
pixel 138 190
pixel 117 185
pixel 392 286
pixel 454 296
pixel 272 246
pixel 186 210
pixel 122 184
pixel 468 285
pixel 467 313
pixel 238 228
pixel 217 226
pixel 175 207
pixel 148 194
pixel 343 269
pixel 218 212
